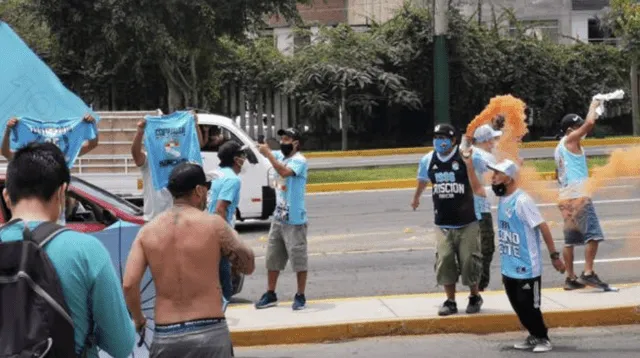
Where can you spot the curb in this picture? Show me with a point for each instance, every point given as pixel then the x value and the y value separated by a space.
pixel 387 184
pixel 471 324
pixel 422 150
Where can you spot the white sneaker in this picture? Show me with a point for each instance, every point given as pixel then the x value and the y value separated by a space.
pixel 528 343
pixel 544 345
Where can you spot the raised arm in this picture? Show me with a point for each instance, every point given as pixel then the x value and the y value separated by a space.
pixel 476 186
pixel 240 255
pixel 92 143
pixel 136 147
pixel 573 138
pixel 6 139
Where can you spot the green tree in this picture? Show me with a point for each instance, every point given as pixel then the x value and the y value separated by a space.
pixel 32 30
pixel 343 74
pixel 180 39
pixel 624 19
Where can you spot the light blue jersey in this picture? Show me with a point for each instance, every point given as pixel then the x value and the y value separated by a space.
pixel 290 191
pixel 87 275
pixel 68 134
pixel 29 88
pixel 170 140
pixel 573 172
pixel 226 187
pixel 480 159
pixel 519 236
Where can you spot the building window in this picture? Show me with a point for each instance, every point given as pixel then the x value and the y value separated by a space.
pixel 600 34
pixel 539 29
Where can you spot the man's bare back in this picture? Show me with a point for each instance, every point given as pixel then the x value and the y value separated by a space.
pixel 182 247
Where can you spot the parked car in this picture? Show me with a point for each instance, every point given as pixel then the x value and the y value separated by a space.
pixel 95 209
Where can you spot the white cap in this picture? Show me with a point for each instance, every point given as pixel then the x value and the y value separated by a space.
pixel 506 167
pixel 485 133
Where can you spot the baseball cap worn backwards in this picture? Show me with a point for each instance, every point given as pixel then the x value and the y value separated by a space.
pixel 290 132
pixel 569 121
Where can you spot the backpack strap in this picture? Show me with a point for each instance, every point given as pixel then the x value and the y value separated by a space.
pixel 44 233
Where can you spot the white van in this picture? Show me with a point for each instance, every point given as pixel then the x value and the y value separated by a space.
pixel 257 195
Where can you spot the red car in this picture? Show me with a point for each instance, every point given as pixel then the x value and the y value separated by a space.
pixel 93 209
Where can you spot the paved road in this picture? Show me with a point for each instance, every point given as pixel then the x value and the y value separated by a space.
pixel 372 243
pixel 354 162
pixel 598 342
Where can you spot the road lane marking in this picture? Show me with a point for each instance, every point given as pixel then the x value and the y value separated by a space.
pixel 621 259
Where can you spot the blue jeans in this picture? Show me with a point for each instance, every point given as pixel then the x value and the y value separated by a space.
pixel 225 278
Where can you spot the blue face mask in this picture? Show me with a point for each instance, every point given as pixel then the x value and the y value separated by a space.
pixel 442 145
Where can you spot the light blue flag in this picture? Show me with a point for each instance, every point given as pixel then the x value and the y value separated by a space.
pixel 28 87
pixel 170 140
pixel 69 135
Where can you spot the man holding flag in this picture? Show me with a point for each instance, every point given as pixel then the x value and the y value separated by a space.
pixel 76 142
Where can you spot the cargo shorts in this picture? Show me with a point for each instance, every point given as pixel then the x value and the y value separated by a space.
pixel 287 243
pixel 581 223
pixel 458 254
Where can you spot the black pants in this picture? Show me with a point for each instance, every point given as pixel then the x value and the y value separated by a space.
pixel 524 296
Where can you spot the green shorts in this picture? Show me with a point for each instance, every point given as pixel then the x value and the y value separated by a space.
pixel 458 254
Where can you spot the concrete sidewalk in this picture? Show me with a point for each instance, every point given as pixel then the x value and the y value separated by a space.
pixel 339 319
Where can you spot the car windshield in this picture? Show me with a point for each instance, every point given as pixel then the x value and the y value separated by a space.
pixel 105 196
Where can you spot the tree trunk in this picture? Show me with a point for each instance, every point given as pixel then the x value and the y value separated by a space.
pixel 344 118
pixel 174 97
pixel 635 100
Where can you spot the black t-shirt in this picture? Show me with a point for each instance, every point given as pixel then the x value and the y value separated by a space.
pixel 451 192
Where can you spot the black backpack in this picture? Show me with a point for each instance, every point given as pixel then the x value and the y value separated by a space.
pixel 34 317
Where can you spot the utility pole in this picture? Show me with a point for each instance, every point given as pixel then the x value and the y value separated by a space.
pixel 479 12
pixel 441 62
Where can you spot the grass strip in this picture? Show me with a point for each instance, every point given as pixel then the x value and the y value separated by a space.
pixel 321 176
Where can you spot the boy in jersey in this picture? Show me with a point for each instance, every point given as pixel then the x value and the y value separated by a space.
pixel 483 143
pixel 520 225
pixel 581 224
pixel 458 233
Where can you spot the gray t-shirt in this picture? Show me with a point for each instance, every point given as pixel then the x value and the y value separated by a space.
pixel 155 201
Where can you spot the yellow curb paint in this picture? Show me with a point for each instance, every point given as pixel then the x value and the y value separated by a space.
pixel 388 184
pixel 419 150
pixel 472 324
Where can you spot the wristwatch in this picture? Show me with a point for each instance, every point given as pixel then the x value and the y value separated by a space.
pixel 555 255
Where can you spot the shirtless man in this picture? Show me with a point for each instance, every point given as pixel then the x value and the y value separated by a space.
pixel 183 246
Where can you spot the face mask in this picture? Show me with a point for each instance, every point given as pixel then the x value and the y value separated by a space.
pixel 442 145
pixel 499 189
pixel 286 148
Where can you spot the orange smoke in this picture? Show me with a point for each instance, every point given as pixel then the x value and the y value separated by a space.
pixel 622 162
pixel 513 110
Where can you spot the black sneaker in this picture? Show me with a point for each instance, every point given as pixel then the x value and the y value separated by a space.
pixel 572 284
pixel 299 302
pixel 591 280
pixel 448 308
pixel 475 303
pixel 269 299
